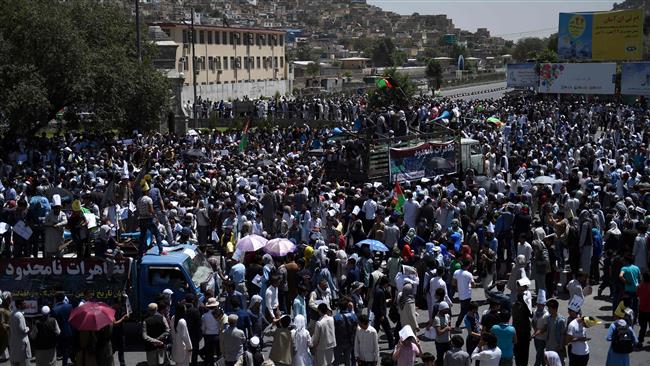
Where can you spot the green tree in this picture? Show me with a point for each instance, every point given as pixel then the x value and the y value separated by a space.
pixel 527 48
pixel 434 73
pixel 382 52
pixel 547 55
pixel 313 69
pixel 53 58
pixel 399 96
pixel 398 58
pixel 457 50
pixel 551 42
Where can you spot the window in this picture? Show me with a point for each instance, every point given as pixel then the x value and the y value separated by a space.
pixel 257 39
pixel 263 39
pixel 201 65
pixel 186 36
pixel 210 37
pixel 217 37
pixel 225 62
pixel 281 62
pixel 259 65
pixel 218 62
pixel 275 62
pixel 186 64
pixel 201 37
pixel 232 63
pixel 167 277
pixel 235 38
pixel 225 37
pixel 211 63
pixel 239 62
pixel 264 62
pixel 281 39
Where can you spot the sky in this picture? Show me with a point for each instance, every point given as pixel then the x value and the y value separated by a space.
pixel 510 19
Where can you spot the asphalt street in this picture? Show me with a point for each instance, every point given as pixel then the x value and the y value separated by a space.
pixel 481 91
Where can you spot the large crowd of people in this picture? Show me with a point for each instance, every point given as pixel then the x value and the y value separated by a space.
pixel 562 213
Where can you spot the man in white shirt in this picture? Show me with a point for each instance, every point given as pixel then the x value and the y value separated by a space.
pixel 211 328
pixel 366 343
pixel 464 281
pixel 524 248
pixel 271 298
pixel 370 210
pixel 576 335
pixel 410 209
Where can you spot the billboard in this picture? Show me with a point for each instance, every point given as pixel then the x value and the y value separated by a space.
pixel 38 279
pixel 426 160
pixel 602 36
pixel 635 78
pixel 587 78
pixel 522 76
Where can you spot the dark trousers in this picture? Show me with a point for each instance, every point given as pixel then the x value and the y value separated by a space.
pixel 211 347
pixel 385 325
pixel 344 354
pixel 539 349
pixel 195 355
pixel 38 237
pixel 367 363
pixel 464 307
pixel 441 348
pixel 148 224
pixel 521 351
pixel 644 319
pixel 64 349
pixel 578 360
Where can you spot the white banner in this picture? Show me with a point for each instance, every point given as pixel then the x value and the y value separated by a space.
pixel 635 78
pixel 522 76
pixel 585 78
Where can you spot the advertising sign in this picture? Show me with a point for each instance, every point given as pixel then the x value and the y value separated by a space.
pixel 602 36
pixel 522 76
pixel 426 160
pixel 38 279
pixel 588 78
pixel 635 78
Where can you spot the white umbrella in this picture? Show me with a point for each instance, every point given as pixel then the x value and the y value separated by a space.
pixel 251 243
pixel 279 247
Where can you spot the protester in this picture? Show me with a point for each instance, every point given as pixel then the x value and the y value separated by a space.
pixel 43 337
pixel 19 345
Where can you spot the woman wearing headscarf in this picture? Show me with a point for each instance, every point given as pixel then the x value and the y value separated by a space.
pixel 301 342
pixel 181 342
pixel 258 320
pixel 518 272
pixel 612 236
pixel 267 271
pixel 619 328
pixel 406 307
pixel 586 240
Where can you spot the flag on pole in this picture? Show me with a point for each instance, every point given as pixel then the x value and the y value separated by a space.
pixel 384 83
pixel 243 143
pixel 398 197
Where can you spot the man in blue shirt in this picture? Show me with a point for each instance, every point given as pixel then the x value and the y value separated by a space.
pixel 630 275
pixel 61 312
pixel 39 208
pixel 506 338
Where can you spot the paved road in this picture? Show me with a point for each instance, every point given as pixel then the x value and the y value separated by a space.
pixel 594 306
pixel 483 91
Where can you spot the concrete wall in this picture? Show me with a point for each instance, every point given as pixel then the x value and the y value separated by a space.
pixel 232 91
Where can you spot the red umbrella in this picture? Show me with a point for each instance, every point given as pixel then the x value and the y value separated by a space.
pixel 92 316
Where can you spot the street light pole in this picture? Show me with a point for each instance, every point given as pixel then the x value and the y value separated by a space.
pixel 137 29
pixel 194 71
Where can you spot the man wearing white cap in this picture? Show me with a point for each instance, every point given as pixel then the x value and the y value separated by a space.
pixel 44 337
pixel 55 222
pixel 539 322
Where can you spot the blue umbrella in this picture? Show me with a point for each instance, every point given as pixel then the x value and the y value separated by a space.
pixel 375 245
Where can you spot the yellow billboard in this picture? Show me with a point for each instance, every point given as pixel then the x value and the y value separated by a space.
pixel 602 36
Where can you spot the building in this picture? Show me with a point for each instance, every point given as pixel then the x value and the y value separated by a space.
pixel 230 62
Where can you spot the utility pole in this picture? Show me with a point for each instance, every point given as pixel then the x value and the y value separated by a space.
pixel 194 71
pixel 137 29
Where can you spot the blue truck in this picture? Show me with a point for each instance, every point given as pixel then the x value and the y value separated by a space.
pixel 184 270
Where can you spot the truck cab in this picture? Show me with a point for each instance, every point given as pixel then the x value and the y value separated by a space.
pixel 184 270
pixel 471 156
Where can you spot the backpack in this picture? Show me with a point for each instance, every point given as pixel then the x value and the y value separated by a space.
pixel 345 329
pixel 623 340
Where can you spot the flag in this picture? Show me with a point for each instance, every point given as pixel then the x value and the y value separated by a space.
pixel 383 84
pixel 243 143
pixel 398 197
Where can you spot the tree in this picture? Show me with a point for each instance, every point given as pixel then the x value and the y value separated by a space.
pixel 551 42
pixel 457 50
pixel 399 96
pixel 313 69
pixel 547 55
pixel 55 59
pixel 382 52
pixel 398 58
pixel 527 48
pixel 303 52
pixel 434 73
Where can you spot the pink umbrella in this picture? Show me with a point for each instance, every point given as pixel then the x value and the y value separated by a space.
pixel 92 316
pixel 251 243
pixel 279 247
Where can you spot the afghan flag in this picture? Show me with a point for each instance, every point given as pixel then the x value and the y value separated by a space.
pixel 243 143
pixel 384 83
pixel 398 197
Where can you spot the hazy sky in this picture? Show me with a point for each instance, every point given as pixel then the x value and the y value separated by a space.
pixel 510 19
